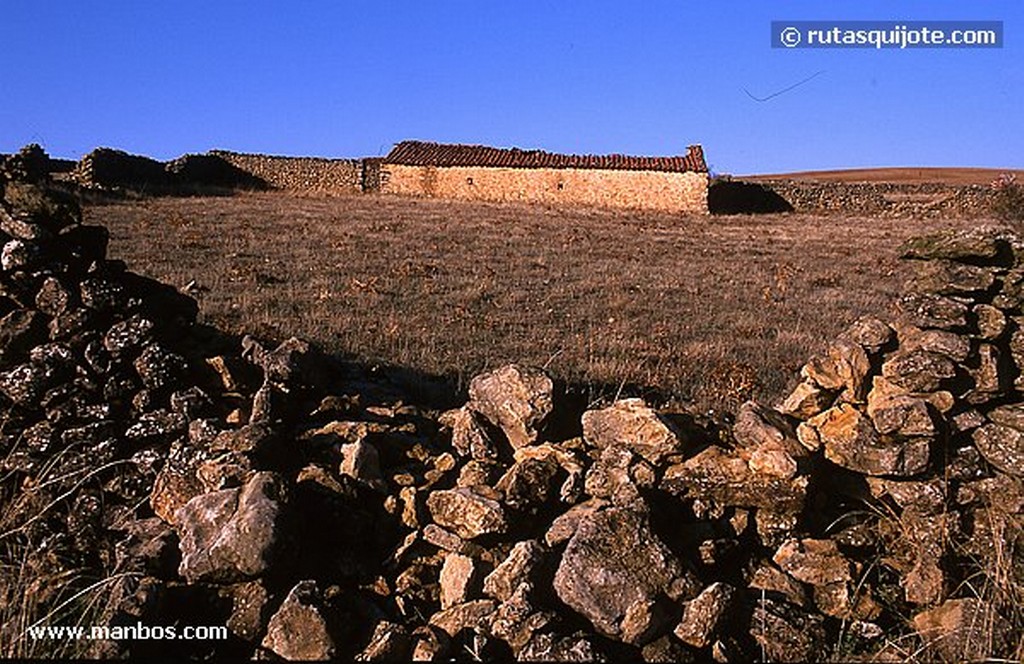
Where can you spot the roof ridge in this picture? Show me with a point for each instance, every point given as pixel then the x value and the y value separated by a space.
pixel 429 153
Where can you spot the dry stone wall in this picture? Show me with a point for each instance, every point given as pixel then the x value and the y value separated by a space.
pixel 106 167
pixel 889 199
pixel 114 170
pixel 652 190
pixel 305 174
pixel 320 511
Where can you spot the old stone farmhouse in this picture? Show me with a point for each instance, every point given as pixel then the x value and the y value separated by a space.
pixel 675 184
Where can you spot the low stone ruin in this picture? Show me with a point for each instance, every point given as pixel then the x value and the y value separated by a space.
pixel 109 170
pixel 874 199
pixel 321 511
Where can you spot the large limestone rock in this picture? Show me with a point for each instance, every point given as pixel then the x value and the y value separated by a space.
pixel 950 344
pixel 467 513
pixel 705 615
pixel 516 399
pixel 612 561
pixel 962 630
pixel 298 631
pixel 816 562
pixel 1002 446
pixel 933 311
pixel 458 580
pixel 716 477
pixel 850 440
pixel 947 277
pixel 767 441
pixel 843 368
pixel 233 534
pixel 516 569
pixel 918 370
pixel 630 423
pixel 806 400
pixel 981 244
pixel 869 333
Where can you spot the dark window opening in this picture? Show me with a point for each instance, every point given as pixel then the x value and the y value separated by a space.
pixel 561 186
pixel 469 180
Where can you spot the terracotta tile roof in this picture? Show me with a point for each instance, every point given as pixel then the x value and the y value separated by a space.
pixel 419 153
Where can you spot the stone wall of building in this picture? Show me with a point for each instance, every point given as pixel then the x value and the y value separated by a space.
pixel 653 190
pixel 305 174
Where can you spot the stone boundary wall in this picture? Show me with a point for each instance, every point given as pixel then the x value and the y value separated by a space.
pixel 306 174
pixel 890 199
pixel 107 167
pixel 651 190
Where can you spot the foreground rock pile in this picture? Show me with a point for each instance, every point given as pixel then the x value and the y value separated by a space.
pixel 319 512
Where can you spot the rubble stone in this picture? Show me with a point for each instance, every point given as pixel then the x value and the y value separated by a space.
pixel 231 534
pixel 459 575
pixel 843 368
pixel 515 399
pixel 298 631
pixel 1002 446
pixel 631 424
pixel 704 615
pixel 806 400
pixel 850 440
pixel 611 561
pixel 933 311
pixel 716 476
pixel 467 513
pixel 515 570
pixel 960 629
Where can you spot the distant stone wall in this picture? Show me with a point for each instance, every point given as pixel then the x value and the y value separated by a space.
pixel 112 170
pixel 889 199
pixel 653 190
pixel 107 167
pixel 306 174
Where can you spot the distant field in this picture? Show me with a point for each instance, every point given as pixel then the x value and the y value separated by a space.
pixel 906 175
pixel 710 310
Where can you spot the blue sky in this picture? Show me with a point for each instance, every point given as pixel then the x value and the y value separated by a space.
pixel 344 79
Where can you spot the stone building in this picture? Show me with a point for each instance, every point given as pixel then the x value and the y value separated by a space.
pixel 674 184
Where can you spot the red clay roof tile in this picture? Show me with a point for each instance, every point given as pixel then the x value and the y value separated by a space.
pixel 420 153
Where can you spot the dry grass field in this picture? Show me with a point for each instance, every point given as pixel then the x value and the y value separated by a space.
pixel 708 310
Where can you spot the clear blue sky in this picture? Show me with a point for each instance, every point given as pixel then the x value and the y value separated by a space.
pixel 350 78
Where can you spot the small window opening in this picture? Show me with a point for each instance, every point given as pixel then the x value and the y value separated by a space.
pixel 469 180
pixel 561 186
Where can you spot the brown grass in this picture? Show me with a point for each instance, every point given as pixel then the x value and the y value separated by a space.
pixel 711 310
